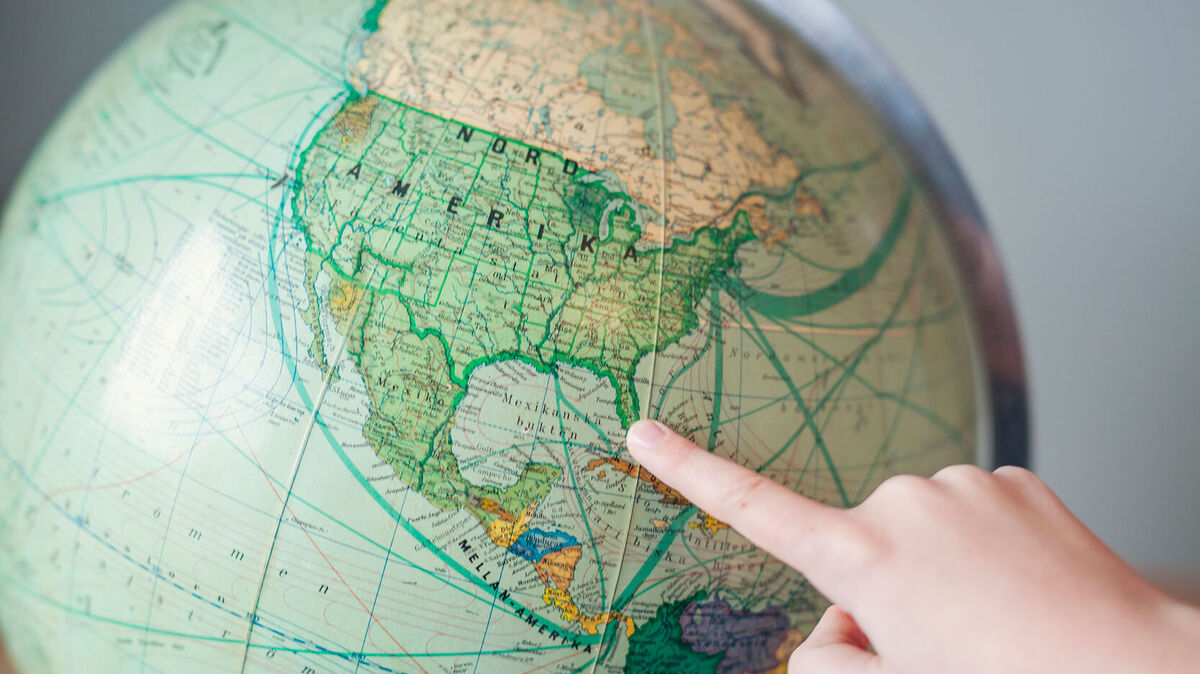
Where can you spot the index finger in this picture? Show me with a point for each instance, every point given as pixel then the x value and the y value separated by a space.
pixel 796 529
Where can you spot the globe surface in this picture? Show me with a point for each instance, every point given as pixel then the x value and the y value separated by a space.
pixel 322 323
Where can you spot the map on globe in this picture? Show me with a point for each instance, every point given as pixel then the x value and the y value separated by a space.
pixel 322 322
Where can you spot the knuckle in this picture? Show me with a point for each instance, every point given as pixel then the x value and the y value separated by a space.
pixel 899 487
pixel 1016 473
pixel 963 473
pixel 1021 478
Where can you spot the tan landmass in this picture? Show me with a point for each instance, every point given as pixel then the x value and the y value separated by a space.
pixel 514 68
pixel 354 120
pixel 757 39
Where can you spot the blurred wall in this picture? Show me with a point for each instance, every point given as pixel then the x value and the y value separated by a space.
pixel 47 49
pixel 1079 127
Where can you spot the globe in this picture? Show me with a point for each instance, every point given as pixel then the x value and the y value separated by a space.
pixel 321 324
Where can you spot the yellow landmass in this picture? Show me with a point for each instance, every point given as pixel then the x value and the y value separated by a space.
pixel 807 204
pixel 505 529
pixel 592 625
pixel 562 600
pixel 507 69
pixel 708 523
pixel 344 297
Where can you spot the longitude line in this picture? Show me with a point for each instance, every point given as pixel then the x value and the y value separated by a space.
pixel 652 50
pixel 304 438
pixel 326 383
pixel 378 588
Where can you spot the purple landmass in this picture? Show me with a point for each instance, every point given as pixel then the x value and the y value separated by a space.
pixel 748 639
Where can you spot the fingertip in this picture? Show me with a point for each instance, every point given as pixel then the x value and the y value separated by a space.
pixel 644 435
pixel 771 515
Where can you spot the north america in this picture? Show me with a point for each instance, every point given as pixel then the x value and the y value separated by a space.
pixel 449 248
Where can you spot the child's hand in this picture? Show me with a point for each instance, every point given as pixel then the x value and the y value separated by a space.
pixel 967 571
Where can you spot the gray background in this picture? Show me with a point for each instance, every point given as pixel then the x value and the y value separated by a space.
pixel 1078 124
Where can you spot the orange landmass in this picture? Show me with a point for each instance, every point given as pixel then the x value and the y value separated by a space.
pixel 506 529
pixel 491 505
pixel 670 496
pixel 558 568
pixel 507 61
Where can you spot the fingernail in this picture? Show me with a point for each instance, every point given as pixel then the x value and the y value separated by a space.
pixel 647 433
